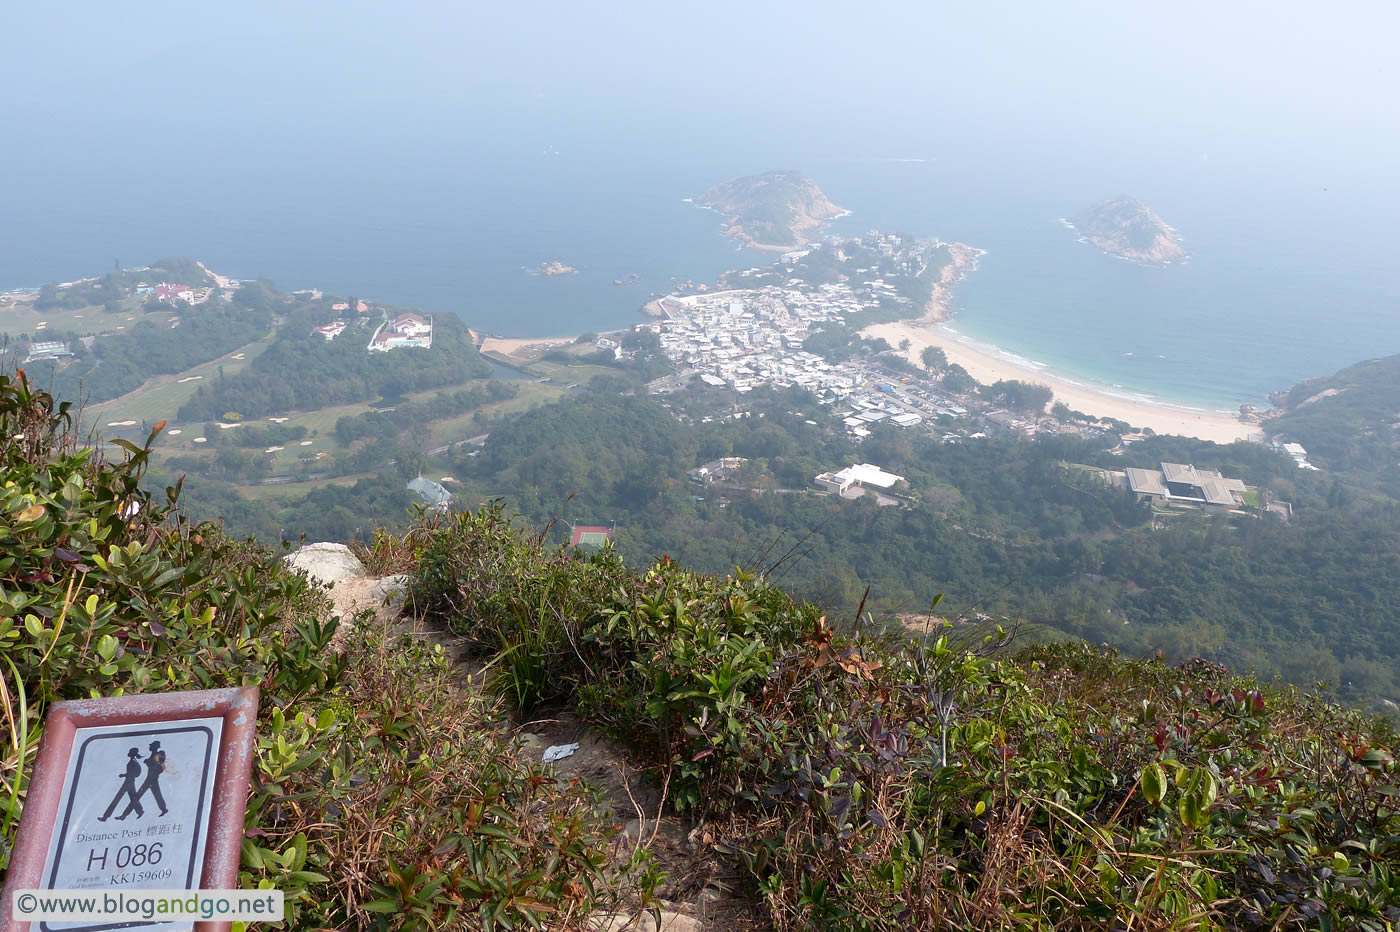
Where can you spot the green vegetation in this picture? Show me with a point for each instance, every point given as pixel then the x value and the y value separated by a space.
pixel 119 363
pixel 301 371
pixel 108 291
pixel 1026 397
pixel 370 807
pixel 1349 422
pixel 1002 525
pixel 771 208
pixel 855 777
pixel 868 781
pixel 159 398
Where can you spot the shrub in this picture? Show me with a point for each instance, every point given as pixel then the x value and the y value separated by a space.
pixel 866 781
pixel 383 796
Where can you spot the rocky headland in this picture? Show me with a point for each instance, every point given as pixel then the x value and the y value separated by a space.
pixel 962 259
pixel 1128 228
pixel 775 210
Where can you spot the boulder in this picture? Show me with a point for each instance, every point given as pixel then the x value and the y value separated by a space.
pixel 670 922
pixel 325 563
pixel 390 590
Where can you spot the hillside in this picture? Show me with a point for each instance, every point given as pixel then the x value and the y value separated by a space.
pixel 781 768
pixel 774 210
pixel 1348 422
pixel 1130 229
pixel 1026 529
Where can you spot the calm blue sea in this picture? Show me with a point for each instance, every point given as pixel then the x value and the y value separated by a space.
pixel 1291 275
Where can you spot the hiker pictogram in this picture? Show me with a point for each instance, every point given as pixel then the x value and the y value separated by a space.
pixel 155 766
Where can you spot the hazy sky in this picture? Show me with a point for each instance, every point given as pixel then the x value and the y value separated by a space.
pixel 1203 75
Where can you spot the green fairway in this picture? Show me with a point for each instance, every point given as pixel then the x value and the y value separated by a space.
pixel 159 398
pixel 575 373
pixel 456 428
pixel 294 490
pixel 22 318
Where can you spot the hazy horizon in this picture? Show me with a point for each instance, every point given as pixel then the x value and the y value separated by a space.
pixel 431 156
pixel 1199 80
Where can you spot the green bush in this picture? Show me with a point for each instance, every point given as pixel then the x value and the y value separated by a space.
pixel 383 797
pixel 871 781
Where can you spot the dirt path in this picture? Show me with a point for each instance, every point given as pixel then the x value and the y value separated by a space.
pixel 700 892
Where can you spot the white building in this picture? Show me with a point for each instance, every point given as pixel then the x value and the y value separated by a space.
pixel 332 330
pixel 863 474
pixel 1185 484
pixel 411 325
pixel 1300 455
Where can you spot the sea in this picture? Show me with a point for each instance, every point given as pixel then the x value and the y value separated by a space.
pixel 1292 272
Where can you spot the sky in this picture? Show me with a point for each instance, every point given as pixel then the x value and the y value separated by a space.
pixel 1304 81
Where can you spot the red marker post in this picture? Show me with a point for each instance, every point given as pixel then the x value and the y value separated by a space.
pixel 136 793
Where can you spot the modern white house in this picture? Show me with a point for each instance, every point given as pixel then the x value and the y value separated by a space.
pixel 406 330
pixel 1183 484
pixel 862 474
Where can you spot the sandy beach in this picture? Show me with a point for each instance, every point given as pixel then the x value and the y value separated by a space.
pixel 987 367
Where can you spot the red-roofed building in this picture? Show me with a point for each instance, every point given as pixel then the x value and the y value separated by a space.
pixel 411 325
pixel 169 293
pixel 332 330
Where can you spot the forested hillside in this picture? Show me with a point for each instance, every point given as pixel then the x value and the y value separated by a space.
pixel 1349 422
pixel 303 371
pixel 834 776
pixel 1004 528
pixel 114 364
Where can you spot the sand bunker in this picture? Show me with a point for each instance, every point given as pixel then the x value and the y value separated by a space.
pixel 176 432
pixel 278 420
pixel 223 426
pixel 273 449
pixel 307 443
pixel 121 423
pixel 201 440
pixel 189 378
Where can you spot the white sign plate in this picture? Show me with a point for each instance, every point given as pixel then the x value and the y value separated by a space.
pixel 134 811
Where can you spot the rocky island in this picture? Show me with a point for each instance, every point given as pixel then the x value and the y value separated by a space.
pixel 774 210
pixel 1122 226
pixel 553 268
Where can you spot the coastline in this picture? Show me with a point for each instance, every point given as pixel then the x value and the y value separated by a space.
pixel 988 365
pixel 939 306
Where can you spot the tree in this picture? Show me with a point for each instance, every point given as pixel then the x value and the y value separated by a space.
pixel 935 360
pixel 1023 396
pixel 957 380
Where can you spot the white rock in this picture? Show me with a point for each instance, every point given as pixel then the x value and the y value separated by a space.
pixel 670 922
pixel 390 589
pixel 325 563
pixel 558 752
